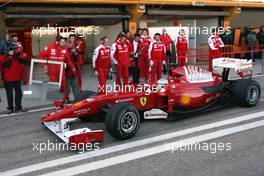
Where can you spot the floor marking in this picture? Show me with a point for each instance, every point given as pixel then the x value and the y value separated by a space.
pixel 84 168
pixel 30 111
pixel 129 145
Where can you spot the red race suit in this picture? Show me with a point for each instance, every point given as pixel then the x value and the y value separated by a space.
pixel 214 43
pixel 182 48
pixel 157 53
pixel 101 64
pixel 120 54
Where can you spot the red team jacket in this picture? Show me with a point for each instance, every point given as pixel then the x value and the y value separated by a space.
pixel 215 43
pixel 13 73
pixel 81 48
pixel 101 58
pixel 157 51
pixel 120 53
pixel 55 53
pixel 166 39
pixel 144 45
pixel 181 43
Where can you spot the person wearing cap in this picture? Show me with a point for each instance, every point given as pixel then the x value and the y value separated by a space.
pixel 215 43
pixel 157 56
pixel 166 39
pixel 58 52
pixel 143 60
pixel 120 55
pixel 181 48
pixel 102 63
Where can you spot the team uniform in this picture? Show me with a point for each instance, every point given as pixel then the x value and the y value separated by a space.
pixel 157 53
pixel 12 69
pixel 166 39
pixel 24 73
pixel 143 60
pixel 56 53
pixel 101 64
pixel 134 63
pixel 214 43
pixel 80 47
pixel 120 54
pixel 77 59
pixel 182 48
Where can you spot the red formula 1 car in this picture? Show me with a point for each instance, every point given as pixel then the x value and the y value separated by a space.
pixel 187 89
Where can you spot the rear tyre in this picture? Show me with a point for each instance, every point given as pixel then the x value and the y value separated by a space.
pixel 246 92
pixel 122 121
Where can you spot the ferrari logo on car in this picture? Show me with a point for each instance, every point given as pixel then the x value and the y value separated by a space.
pixel 143 101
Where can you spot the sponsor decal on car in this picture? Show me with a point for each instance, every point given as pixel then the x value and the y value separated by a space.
pixel 185 99
pixel 124 100
pixel 78 104
pixel 81 111
pixel 90 99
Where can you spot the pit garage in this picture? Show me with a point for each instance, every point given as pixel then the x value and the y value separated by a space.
pixel 93 22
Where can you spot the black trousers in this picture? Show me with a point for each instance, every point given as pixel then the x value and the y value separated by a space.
pixel 134 71
pixel 10 87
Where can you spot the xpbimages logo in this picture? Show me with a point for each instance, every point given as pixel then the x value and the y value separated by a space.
pixel 59 146
pixel 52 30
pixel 140 88
pixel 211 147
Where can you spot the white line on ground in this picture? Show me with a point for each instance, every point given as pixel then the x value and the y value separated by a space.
pixel 129 145
pixel 84 168
pixel 23 113
pixel 259 75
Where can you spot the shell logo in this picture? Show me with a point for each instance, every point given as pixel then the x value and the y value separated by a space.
pixel 185 99
pixel 78 104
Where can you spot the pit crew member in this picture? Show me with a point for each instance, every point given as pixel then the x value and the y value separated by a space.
pixel 166 39
pixel 214 43
pixel 182 48
pixel 80 48
pixel 58 51
pixel 102 63
pixel 134 69
pixel 143 60
pixel 120 54
pixel 157 55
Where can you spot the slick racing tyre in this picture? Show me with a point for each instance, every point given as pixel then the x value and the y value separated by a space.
pixel 84 95
pixel 246 92
pixel 122 121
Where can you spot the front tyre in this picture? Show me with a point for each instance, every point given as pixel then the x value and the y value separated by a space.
pixel 122 121
pixel 247 92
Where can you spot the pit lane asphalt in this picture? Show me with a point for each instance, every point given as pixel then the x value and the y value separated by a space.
pixel 19 132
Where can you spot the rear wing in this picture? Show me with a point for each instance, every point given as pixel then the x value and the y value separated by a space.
pixel 242 67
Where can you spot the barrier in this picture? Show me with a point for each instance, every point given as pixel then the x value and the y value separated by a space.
pixel 41 61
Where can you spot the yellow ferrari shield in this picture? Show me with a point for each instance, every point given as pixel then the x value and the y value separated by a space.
pixel 143 101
